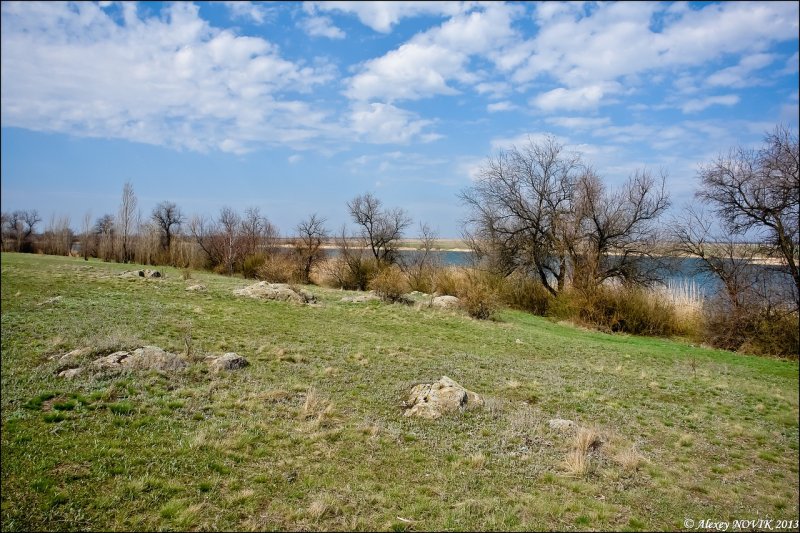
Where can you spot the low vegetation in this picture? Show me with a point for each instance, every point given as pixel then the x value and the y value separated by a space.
pixel 311 435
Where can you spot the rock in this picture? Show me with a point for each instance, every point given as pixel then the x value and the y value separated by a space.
pixel 111 361
pixel 69 356
pixel 561 424
pixel 361 298
pixel 432 400
pixel 70 373
pixel 445 302
pixel 146 358
pixel 153 358
pixel 198 288
pixel 276 291
pixel 228 361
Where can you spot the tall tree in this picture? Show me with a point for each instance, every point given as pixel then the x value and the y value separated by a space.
pixel 168 218
pixel 127 221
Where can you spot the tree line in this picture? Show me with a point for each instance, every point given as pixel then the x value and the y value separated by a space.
pixel 536 212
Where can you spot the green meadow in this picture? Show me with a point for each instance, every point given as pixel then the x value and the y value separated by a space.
pixel 311 435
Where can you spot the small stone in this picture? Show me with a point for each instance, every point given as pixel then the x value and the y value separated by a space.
pixel 70 373
pixel 196 288
pixel 561 424
pixel 228 361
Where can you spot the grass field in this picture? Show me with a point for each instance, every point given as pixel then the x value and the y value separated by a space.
pixel 312 434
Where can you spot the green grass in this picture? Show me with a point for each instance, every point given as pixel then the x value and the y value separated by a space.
pixel 686 432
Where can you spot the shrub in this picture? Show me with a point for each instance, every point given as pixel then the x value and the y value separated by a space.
pixel 617 309
pixel 422 279
pixel 447 282
pixel 390 284
pixel 278 268
pixel 521 292
pixel 351 272
pixel 752 329
pixel 479 297
pixel 252 264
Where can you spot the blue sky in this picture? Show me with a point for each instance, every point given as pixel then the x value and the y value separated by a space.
pixel 297 107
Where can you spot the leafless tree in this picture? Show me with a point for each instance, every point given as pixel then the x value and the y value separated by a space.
pixel 541 211
pixel 86 236
pixel 21 227
pixel 105 235
pixel 4 219
pixel 757 193
pixel 258 235
pixel 168 217
pixel 126 220
pixel 381 229
pixel 420 266
pixel 616 231
pixel 57 237
pixel 311 235
pixel 522 208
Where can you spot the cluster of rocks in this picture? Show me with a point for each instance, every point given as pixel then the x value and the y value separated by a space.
pixel 146 273
pixel 420 298
pixel 280 292
pixel 144 358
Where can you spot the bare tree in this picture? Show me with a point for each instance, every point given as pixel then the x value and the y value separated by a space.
pixel 127 220
pixel 168 217
pixel 57 237
pixel 616 232
pixel 522 210
pixel 105 234
pixel 311 234
pixel 22 225
pixel 258 235
pixel 86 236
pixel 420 266
pixel 380 229
pixel 4 220
pixel 757 193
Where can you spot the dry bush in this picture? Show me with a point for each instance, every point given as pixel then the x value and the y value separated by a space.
pixel 524 293
pixel 278 268
pixel 251 265
pixel 618 309
pixel 422 279
pixel 753 329
pixel 351 272
pixel 447 281
pixel 578 460
pixel 390 284
pixel 318 409
pixel 479 296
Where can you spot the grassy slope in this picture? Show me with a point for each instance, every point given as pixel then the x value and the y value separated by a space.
pixel 717 433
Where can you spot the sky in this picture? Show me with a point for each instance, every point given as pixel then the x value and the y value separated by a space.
pixel 296 108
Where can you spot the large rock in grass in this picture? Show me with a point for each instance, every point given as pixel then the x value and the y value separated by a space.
pixel 276 291
pixel 432 400
pixel 228 361
pixel 145 358
pixel 445 302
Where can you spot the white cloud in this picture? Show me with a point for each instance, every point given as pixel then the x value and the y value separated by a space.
pixel 432 60
pixel 791 65
pixel 321 27
pixel 256 12
pixel 522 140
pixel 624 43
pixel 741 75
pixel 294 158
pixel 384 123
pixel 382 16
pixel 173 81
pixel 588 97
pixel 500 106
pixel 699 104
pixel 579 123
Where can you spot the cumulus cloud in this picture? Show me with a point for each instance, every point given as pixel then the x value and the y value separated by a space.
pixel 431 61
pixel 505 105
pixel 583 47
pixel 173 80
pixel 384 123
pixel 321 27
pixel 580 98
pixel 382 16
